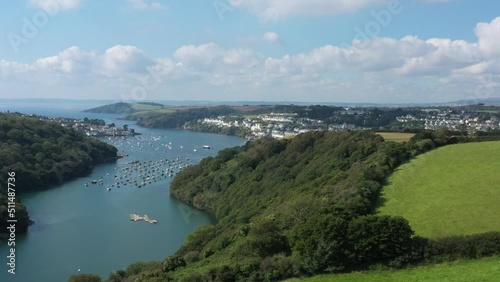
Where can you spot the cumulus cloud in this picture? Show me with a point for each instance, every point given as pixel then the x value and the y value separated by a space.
pixel 279 9
pixel 271 37
pixel 210 56
pixel 121 59
pixel 71 60
pixel 408 68
pixel 53 6
pixel 282 9
pixel 489 39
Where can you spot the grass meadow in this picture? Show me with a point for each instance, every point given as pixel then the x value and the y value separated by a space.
pixel 486 269
pixel 453 190
pixel 396 136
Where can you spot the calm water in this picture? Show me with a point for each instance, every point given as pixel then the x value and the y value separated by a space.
pixel 88 228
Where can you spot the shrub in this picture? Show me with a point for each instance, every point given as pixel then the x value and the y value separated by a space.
pixel 249 266
pixel 459 247
pixel 191 257
pixel 84 278
pixel 117 276
pixel 172 263
pixel 279 267
pixel 373 238
pixel 195 277
pixel 224 274
pixel 320 242
pixel 140 266
pixel 265 239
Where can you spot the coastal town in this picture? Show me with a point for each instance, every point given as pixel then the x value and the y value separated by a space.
pixel 89 127
pixel 283 125
pixel 275 125
pixel 286 124
pixel 452 120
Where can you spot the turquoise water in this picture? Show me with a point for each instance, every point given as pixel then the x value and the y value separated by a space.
pixel 88 228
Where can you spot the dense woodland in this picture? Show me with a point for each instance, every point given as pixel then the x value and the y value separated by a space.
pixel 300 207
pixel 177 119
pixel 363 117
pixel 211 128
pixel 116 108
pixel 41 154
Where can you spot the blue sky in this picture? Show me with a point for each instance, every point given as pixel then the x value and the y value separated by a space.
pixel 260 50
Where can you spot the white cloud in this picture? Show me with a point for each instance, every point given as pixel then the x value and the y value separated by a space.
pixel 54 6
pixel 70 61
pixel 271 37
pixel 279 9
pixel 212 55
pixel 408 69
pixel 121 59
pixel 489 37
pixel 203 54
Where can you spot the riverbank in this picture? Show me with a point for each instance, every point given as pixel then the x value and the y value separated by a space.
pixel 68 234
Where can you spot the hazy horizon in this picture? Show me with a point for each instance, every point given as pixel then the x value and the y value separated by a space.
pixel 492 101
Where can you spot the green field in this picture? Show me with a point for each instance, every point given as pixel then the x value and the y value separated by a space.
pixel 396 136
pixel 486 269
pixel 452 190
pixel 145 107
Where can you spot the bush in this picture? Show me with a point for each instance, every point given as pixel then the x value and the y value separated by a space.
pixel 373 238
pixel 320 242
pixel 172 263
pixel 195 277
pixel 224 274
pixel 191 257
pixel 199 238
pixel 265 239
pixel 84 278
pixel 463 247
pixel 117 276
pixel 140 266
pixel 279 267
pixel 249 266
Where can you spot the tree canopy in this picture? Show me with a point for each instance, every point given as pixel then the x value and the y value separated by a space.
pixel 41 154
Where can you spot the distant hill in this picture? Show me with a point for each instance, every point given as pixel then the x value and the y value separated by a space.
pixel 490 101
pixel 117 108
pixel 155 115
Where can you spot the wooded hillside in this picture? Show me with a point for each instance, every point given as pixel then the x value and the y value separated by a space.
pixel 41 154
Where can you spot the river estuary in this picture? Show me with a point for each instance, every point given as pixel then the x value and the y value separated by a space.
pixel 88 227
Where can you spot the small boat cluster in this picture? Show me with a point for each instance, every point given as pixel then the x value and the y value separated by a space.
pixel 141 173
pixel 163 161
